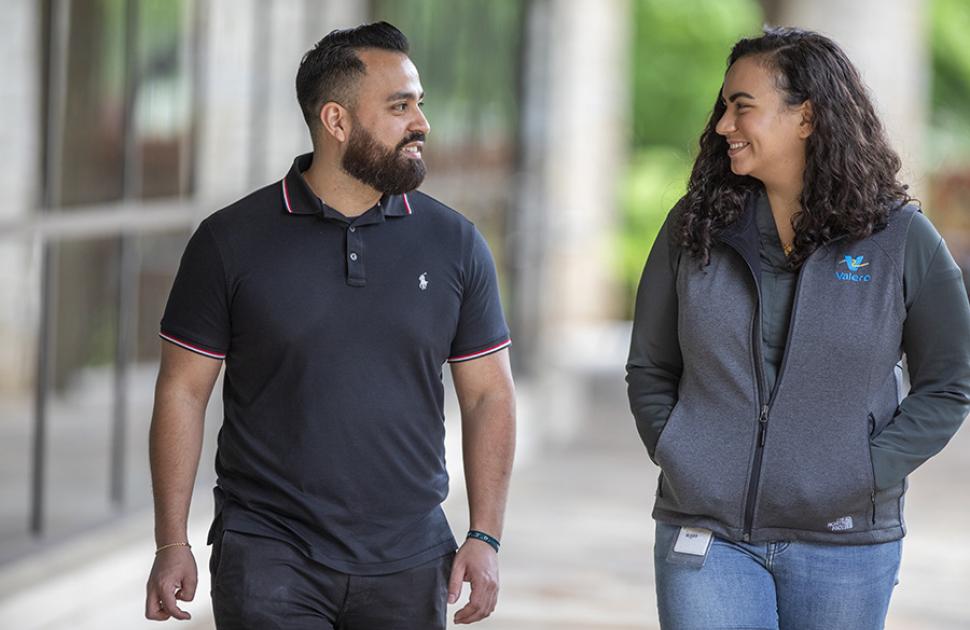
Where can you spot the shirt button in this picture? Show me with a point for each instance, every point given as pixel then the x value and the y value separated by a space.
pixel 353 229
pixel 353 255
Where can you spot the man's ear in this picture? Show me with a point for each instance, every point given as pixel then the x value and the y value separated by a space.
pixel 335 120
pixel 807 124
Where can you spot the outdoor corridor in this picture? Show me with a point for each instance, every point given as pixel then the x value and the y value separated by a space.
pixel 576 551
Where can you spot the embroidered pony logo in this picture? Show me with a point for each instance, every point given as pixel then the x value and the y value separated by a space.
pixel 423 281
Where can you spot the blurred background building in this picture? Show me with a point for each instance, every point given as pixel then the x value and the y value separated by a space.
pixel 564 128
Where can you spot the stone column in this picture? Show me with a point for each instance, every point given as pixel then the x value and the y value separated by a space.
pixel 886 40
pixel 20 108
pixel 574 132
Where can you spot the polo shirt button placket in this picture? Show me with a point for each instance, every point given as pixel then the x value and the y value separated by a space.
pixel 355 263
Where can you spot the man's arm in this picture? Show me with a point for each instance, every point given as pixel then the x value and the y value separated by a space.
pixel 486 396
pixel 185 381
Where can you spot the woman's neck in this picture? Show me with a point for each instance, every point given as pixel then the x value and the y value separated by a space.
pixel 785 202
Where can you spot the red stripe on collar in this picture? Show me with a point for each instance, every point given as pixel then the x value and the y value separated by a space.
pixel 286 197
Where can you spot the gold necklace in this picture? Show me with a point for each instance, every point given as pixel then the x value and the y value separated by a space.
pixel 788 248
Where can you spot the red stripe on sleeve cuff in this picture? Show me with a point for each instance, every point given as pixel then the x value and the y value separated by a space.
pixel 192 347
pixel 480 353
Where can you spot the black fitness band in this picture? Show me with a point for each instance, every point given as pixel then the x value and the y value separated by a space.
pixel 485 538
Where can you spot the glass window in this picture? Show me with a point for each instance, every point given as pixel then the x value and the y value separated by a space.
pixel 102 132
pixel 81 396
pixel 19 275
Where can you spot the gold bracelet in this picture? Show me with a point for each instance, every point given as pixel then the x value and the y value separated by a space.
pixel 170 545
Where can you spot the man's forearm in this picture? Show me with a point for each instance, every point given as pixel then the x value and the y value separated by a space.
pixel 175 445
pixel 488 445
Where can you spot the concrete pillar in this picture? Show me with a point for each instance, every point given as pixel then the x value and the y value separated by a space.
pixel 886 40
pixel 223 151
pixel 19 163
pixel 586 149
pixel 574 136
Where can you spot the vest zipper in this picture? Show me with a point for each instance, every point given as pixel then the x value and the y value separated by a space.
pixel 755 474
pixel 755 480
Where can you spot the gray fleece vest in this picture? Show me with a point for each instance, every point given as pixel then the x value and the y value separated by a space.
pixel 794 463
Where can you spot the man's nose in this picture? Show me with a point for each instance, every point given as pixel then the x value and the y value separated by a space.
pixel 421 122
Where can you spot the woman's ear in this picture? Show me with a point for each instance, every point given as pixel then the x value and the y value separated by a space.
pixel 807 124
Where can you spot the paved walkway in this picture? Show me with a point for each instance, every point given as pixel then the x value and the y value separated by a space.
pixel 580 535
pixel 577 551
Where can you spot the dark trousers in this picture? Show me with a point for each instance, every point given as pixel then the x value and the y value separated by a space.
pixel 261 584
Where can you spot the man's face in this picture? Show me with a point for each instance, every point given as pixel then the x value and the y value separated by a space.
pixel 389 128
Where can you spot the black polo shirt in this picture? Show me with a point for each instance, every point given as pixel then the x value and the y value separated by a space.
pixel 334 331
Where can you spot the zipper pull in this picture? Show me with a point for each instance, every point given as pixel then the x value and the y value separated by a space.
pixel 762 425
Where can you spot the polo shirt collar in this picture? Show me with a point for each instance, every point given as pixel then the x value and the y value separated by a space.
pixel 299 199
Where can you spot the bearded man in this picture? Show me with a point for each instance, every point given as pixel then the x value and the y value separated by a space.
pixel 334 297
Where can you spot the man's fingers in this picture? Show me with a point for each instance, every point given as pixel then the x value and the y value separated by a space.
pixel 153 608
pixel 167 600
pixel 454 582
pixel 481 602
pixel 468 614
pixel 187 592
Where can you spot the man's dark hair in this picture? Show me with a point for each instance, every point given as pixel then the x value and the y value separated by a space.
pixel 850 179
pixel 330 70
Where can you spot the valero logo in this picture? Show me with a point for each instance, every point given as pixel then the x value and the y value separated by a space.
pixel 853 264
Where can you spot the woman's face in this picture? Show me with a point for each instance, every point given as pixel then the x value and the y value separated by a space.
pixel 765 136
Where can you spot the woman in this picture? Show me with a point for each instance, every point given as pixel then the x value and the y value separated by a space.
pixel 764 370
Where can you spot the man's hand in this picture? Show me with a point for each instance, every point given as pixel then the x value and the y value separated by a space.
pixel 174 577
pixel 475 562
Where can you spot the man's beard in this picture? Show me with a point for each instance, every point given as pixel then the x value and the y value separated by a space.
pixel 388 171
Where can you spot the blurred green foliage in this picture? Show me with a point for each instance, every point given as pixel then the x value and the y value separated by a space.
pixel 655 180
pixel 679 54
pixel 949 40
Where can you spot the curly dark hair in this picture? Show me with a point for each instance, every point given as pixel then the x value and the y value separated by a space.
pixel 850 184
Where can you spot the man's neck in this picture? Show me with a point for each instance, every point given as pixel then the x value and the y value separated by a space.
pixel 339 190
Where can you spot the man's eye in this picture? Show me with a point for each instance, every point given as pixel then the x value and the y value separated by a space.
pixel 400 107
pixel 421 104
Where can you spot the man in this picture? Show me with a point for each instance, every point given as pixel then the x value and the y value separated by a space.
pixel 335 296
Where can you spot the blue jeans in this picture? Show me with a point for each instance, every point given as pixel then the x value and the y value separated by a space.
pixel 785 585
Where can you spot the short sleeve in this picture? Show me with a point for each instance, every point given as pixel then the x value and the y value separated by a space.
pixel 481 323
pixel 197 313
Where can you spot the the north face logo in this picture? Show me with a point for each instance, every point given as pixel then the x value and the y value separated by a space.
pixel 841 524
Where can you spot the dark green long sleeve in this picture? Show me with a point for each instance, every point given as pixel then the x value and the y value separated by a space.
pixel 936 340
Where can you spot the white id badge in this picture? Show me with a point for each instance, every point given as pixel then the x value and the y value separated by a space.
pixel 691 546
